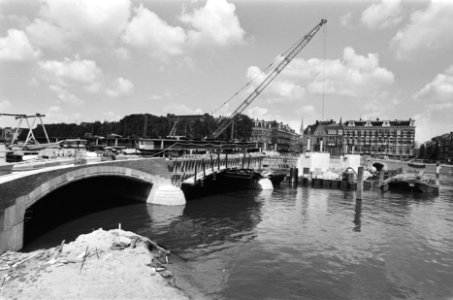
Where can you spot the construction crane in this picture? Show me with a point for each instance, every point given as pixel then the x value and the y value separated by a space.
pixel 271 76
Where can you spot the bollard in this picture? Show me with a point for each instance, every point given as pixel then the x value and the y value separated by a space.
pixel 204 168
pixel 248 164
pixel 195 175
pixel 293 176
pixel 218 160
pixel 359 193
pixel 226 160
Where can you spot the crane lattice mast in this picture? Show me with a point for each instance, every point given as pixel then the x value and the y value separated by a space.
pixel 271 76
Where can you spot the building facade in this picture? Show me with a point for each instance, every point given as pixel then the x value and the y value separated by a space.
pixel 275 136
pixel 439 148
pixel 387 138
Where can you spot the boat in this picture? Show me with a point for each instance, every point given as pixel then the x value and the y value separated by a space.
pixel 416 165
pixel 408 182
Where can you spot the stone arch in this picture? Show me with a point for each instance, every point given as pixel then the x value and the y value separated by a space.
pixel 84 173
pixel 11 235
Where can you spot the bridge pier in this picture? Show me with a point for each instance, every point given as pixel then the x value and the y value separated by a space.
pixel 12 226
pixel 265 184
pixel 164 193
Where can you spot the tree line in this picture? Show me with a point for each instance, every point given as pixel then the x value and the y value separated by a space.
pixel 149 126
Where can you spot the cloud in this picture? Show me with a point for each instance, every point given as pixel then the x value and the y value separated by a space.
pixel 280 89
pixel 65 77
pixel 345 20
pixel 121 87
pixel 69 72
pixel 354 75
pixel 439 92
pixel 181 109
pixel 122 53
pixel 214 23
pixel 16 46
pixel 87 24
pixel 383 14
pixel 65 96
pixel 54 109
pixel 437 97
pixel 257 112
pixel 47 35
pixel 428 29
pixel 4 105
pixel 147 30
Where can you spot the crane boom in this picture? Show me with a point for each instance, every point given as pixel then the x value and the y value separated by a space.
pixel 271 76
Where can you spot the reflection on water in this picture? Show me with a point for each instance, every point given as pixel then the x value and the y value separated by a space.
pixel 301 243
pixel 358 215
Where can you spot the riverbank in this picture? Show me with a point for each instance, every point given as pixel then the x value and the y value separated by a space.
pixel 114 264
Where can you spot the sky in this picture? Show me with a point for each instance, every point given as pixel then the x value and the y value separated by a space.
pixel 88 60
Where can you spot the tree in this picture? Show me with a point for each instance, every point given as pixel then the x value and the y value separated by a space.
pixel 421 151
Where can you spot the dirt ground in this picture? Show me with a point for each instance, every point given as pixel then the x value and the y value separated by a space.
pixel 113 264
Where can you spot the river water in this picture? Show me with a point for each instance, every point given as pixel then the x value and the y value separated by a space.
pixel 298 243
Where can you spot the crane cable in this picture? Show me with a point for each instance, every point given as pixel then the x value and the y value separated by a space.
pixel 323 69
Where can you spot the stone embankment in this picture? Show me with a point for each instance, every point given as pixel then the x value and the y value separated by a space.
pixel 113 264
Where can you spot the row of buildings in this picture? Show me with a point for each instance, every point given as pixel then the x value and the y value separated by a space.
pixel 380 138
pixel 384 138
pixel 439 148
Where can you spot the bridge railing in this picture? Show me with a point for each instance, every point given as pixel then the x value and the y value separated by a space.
pixel 186 167
pixel 280 162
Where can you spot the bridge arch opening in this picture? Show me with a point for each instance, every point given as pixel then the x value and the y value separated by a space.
pixel 81 197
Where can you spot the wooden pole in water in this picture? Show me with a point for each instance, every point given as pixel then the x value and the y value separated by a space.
pixel 359 194
pixel 204 168
pixel 212 164
pixel 293 176
pixel 195 174
pixel 226 160
pixel 218 160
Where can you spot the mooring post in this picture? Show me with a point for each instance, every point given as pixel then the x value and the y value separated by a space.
pixel 359 193
pixel 218 160
pixel 212 164
pixel 248 163
pixel 293 176
pixel 204 168
pixel 243 158
pixel 226 160
pixel 195 174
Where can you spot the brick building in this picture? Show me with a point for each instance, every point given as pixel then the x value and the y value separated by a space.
pixel 391 138
pixel 438 148
pixel 275 136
